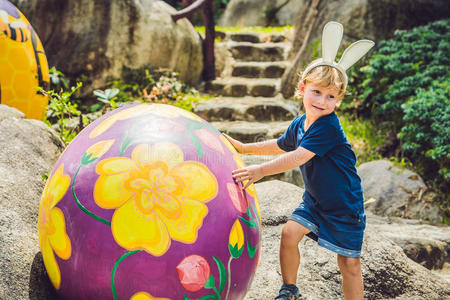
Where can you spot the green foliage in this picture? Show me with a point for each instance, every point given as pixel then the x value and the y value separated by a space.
pixel 45 176
pixel 314 47
pixel 399 67
pixel 364 136
pixel 425 134
pixel 151 85
pixel 219 8
pixel 107 96
pixel 401 163
pixel 61 109
pixel 58 80
pixel 404 88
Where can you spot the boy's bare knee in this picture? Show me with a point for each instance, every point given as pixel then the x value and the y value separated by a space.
pixel 349 265
pixel 292 233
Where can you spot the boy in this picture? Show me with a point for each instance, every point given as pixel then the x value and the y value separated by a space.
pixel 332 211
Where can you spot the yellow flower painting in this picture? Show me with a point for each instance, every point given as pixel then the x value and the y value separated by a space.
pixel 53 238
pixel 236 240
pixel 157 197
pixel 145 296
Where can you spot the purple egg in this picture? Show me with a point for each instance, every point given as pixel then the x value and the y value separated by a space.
pixel 142 205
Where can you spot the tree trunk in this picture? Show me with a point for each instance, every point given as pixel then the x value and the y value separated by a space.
pixel 307 21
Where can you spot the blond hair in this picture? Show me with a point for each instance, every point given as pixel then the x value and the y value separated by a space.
pixel 327 77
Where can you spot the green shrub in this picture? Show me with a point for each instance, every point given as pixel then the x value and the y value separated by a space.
pixel 60 110
pixel 404 88
pixel 108 97
pixel 364 136
pixel 150 85
pixel 58 80
pixel 426 131
pixel 398 68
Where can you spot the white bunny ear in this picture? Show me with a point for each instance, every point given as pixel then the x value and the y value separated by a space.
pixel 331 40
pixel 354 52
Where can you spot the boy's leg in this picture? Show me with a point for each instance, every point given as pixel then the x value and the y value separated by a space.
pixel 291 235
pixel 352 281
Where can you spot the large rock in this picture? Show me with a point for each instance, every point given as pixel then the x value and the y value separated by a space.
pixel 7 112
pixel 397 191
pixel 373 19
pixel 97 38
pixel 223 59
pixel 288 14
pixel 388 273
pixel 278 200
pixel 362 19
pixel 425 244
pixel 29 148
pixel 255 12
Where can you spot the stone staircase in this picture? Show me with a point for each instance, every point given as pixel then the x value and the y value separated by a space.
pixel 247 103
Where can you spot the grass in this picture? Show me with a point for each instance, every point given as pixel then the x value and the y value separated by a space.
pixel 364 136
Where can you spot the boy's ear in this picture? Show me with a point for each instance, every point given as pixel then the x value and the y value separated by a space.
pixel 301 87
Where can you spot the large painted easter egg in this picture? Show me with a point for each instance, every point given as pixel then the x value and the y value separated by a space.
pixel 142 205
pixel 23 64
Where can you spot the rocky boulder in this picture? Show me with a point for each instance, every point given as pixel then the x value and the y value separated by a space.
pixel 388 273
pixel 29 148
pixel 362 19
pixel 261 12
pixel 370 19
pixel 96 38
pixel 425 244
pixel 278 200
pixel 396 191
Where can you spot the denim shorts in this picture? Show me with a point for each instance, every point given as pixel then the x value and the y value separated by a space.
pixel 340 234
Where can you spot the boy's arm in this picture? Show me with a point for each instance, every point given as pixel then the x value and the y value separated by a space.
pixel 269 147
pixel 281 164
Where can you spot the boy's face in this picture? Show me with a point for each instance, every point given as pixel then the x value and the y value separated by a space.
pixel 318 100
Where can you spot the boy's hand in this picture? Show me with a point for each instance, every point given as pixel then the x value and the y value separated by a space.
pixel 236 144
pixel 251 173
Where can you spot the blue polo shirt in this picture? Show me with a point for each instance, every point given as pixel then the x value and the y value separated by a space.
pixel 332 185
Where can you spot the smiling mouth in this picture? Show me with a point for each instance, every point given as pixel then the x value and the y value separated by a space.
pixel 318 107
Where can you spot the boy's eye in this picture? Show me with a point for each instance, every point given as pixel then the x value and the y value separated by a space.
pixel 331 96
pixel 316 91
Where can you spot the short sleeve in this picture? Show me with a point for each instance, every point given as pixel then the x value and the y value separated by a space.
pixel 321 138
pixel 288 141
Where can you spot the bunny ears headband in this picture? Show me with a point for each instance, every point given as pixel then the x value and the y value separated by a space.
pixel 331 40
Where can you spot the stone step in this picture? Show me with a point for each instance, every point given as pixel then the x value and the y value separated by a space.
pixel 250 132
pixel 259 69
pixel 252 37
pixel 241 86
pixel 246 109
pixel 245 37
pixel 245 51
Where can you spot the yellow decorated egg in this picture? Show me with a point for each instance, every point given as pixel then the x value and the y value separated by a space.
pixel 23 64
